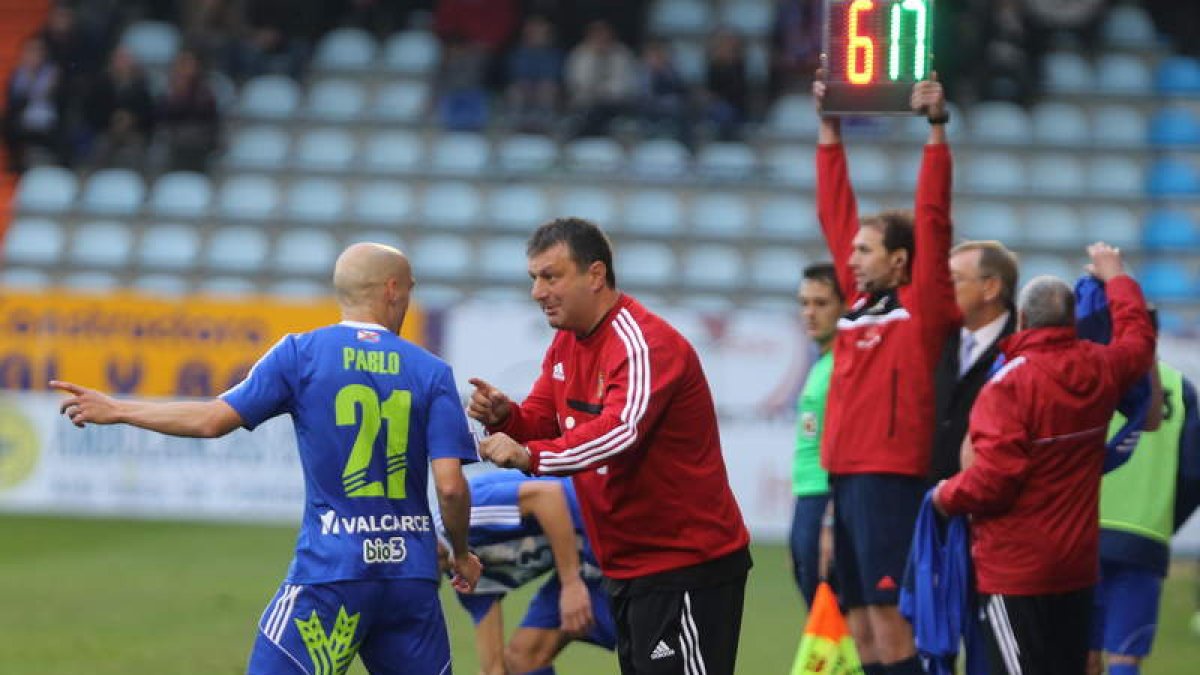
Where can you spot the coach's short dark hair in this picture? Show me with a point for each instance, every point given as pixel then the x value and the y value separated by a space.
pixel 584 239
pixel 896 226
pixel 826 273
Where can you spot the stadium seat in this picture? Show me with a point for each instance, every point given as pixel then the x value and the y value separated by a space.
pixel 223 286
pixel 324 150
pixel 382 203
pixel 758 62
pixel 23 278
pixel 594 204
pixel 654 212
pixel 459 153
pixel 777 269
pixel 270 97
pixel 96 283
pixel 451 204
pixel 659 158
pixel 169 246
pixel 411 53
pixel 1065 268
pixel 705 302
pixel 316 200
pixel 871 167
pixel 988 220
pixel 680 17
pixel 247 197
pixel 181 194
pixel 1115 176
pixel 1116 225
pixel 401 102
pixel 1055 226
pixel 1067 73
pixel 1123 74
pixel 794 166
pixel 351 49
pixel 1059 124
pixel 239 248
pixel 691 60
pixel 646 264
pixel 1119 125
pixel 153 43
pixel 1175 126
pixel 170 285
pixel 791 218
pixel 720 214
pixel 995 173
pixel 393 152
pixel 906 167
pixel 727 161
pixel 916 128
pixel 46 189
pixel 712 266
pixel 1178 76
pixel 1173 177
pixel 792 115
pixel 601 155
pixel 113 192
pixel 299 289
pixel 33 241
pixel 258 147
pixel 443 257
pixel 102 243
pixel 750 18
pixel 1129 26
pixel 304 252
pixel 338 101
pixel 1057 174
pixel 1170 229
pixel 503 259
pixel 439 296
pixel 518 207
pixel 526 153
pixel 1167 280
pixel 1000 122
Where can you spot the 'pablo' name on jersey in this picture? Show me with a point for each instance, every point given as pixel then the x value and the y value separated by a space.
pixel 371 361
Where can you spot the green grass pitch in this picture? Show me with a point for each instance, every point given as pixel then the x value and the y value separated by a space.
pixel 105 597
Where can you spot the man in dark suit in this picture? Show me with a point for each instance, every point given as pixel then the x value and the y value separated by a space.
pixel 984 274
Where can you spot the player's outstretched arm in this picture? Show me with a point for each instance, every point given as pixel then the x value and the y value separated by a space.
pixel 454 499
pixel 546 502
pixel 198 419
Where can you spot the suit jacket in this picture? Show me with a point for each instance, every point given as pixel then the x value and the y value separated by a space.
pixel 953 398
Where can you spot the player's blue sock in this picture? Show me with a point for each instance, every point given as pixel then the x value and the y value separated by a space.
pixel 909 666
pixel 548 670
pixel 1124 669
pixel 873 669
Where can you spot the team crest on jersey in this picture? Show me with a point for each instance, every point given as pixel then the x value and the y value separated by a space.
pixel 367 336
pixel 559 372
pixel 808 424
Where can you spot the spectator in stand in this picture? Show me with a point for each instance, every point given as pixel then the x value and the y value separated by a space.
pixel 462 103
pixel 534 76
pixel 213 28
pixel 1001 43
pixel 488 24
pixel 279 34
pixel 795 45
pixel 663 103
pixel 1180 20
pixel 188 113
pixel 33 116
pixel 601 78
pixel 726 90
pixel 78 54
pixel 120 112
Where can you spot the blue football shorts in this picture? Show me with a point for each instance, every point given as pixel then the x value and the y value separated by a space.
pixel 543 611
pixel 1125 610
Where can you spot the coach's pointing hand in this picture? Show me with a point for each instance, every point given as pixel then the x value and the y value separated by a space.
pixel 86 405
pixel 504 452
pixel 488 404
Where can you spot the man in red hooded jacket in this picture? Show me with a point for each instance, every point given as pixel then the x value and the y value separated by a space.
pixel 1037 437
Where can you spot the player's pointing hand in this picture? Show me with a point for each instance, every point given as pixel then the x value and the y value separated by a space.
pixel 86 405
pixel 488 404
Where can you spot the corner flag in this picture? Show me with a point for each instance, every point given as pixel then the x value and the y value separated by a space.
pixel 826 647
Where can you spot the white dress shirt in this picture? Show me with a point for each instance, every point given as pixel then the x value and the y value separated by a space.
pixel 984 337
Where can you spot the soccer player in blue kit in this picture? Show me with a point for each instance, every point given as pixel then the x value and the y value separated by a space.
pixel 370 411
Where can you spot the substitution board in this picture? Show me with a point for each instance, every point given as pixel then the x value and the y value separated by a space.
pixel 874 50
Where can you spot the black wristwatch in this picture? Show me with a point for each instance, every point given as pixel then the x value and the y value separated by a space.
pixel 940 119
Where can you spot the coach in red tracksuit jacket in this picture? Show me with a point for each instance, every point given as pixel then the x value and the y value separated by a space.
pixel 879 417
pixel 1037 433
pixel 623 406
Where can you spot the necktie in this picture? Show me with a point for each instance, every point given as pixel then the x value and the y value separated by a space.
pixel 964 352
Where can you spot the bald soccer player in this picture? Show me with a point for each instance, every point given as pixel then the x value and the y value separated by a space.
pixel 366 405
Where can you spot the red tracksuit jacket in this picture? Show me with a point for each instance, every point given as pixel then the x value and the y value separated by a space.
pixel 1038 430
pixel 880 413
pixel 627 410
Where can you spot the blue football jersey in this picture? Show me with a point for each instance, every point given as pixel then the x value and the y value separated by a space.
pixel 370 410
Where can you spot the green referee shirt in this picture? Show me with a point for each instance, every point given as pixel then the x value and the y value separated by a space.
pixel 808 478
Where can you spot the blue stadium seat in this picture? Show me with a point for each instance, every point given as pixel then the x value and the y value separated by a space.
pixel 503 259
pixel 916 127
pixel 792 165
pixel 751 18
pixel 34 241
pixel 594 204
pixel 1119 125
pixel 382 203
pixel 226 286
pixel 1057 174
pixel 351 49
pixel 113 192
pixel 324 150
pixel 1116 225
pixel 655 212
pixel 181 194
pixel 526 153
pixel 1129 26
pixel 1060 124
pixel 518 207
pixel 316 200
pixel 680 17
pixel 443 256
pixel 1056 226
pixel 1178 76
pixel 161 284
pixel 439 296
pixel 152 43
pixel 336 100
pixel 1066 268
pixel 247 197
pixel 601 155
pixel 1000 122
pixel 712 266
pixel 1123 74
pixel 777 269
pixel 645 264
pixel 258 147
pixel 691 60
pixel 1170 229
pixel 411 53
pixel 46 189
pixel 401 102
pixel 906 167
pixel 451 204
pixel 659 158
pixel 1067 73
pixel 1170 176
pixel 304 252
pixel 270 97
pixel 793 218
pixel 988 220
pixel 298 289
pixel 102 243
pixel 720 214
pixel 1115 176
pixel 995 173
pixel 792 115
pixel 240 248
pixel 727 161
pixel 1164 280
pixel 24 278
pixel 169 246
pixel 706 301
pixel 871 167
pixel 758 62
pixel 1175 126
pixel 93 283
pixel 393 152
pixel 459 153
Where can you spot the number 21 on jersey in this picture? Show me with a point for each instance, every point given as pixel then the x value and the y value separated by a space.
pixel 350 401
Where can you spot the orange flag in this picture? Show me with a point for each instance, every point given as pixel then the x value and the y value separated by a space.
pixel 826 647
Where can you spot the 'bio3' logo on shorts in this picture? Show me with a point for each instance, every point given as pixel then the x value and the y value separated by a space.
pixel 380 550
